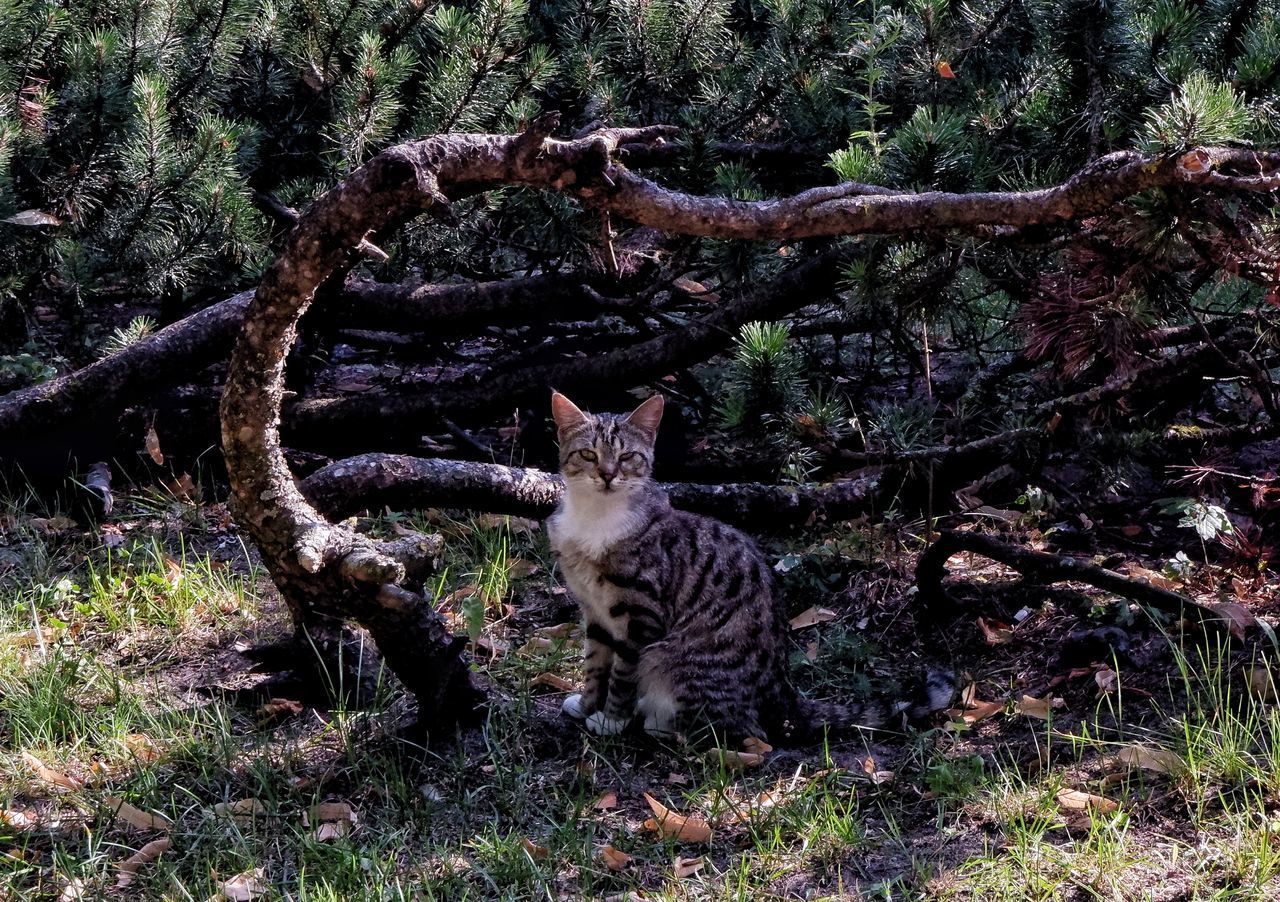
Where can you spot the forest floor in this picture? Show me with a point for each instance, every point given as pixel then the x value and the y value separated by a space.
pixel 1097 752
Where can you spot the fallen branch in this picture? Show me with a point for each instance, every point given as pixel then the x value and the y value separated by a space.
pixel 1041 566
pixel 377 481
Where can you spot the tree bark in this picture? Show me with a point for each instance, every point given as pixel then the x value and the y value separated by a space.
pixel 374 481
pixel 329 571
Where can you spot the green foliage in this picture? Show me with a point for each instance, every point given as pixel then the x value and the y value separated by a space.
pixel 763 381
pixel 1204 111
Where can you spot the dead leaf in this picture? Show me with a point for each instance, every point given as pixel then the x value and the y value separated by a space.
pixel 150 852
pixel 734 760
pixel 183 488
pixel 137 818
pixel 743 813
pixel 688 828
pixel 244 887
pixel 173 572
pixel 278 709
pixel 614 859
pixel 242 811
pixel 756 746
pixel 49 775
pixel 811 651
pixel 535 851
pixel 811 617
pixel 878 777
pixel 1158 760
pixel 1261 682
pixel 332 820
pixel 1137 571
pixel 1194 161
pixel 1077 800
pixel 678 779
pixel 552 680
pixel 976 711
pixel 687 867
pixel 18 820
pixel 152 441
pixel 1107 679
pixel 695 288
pixel 1237 617
pixel 559 631
pixel 944 69
pixel 519 568
pixel 30 638
pixel 537 645
pixel 1037 707
pixel 606 802
pixel 33 218
pixel 995 632
pixel 142 747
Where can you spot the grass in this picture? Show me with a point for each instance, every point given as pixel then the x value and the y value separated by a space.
pixel 120 678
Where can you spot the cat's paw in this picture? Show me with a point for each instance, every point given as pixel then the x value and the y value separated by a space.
pixel 573 707
pixel 603 725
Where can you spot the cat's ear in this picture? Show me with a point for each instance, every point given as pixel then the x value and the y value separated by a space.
pixel 647 416
pixel 565 412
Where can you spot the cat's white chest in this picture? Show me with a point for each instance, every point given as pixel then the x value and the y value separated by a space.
pixel 591 524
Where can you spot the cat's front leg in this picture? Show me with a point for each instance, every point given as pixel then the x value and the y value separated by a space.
pixel 620 706
pixel 597 664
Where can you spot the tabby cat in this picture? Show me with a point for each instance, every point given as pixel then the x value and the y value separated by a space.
pixel 684 623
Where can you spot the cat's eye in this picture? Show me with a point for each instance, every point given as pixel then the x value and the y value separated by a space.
pixel 588 456
pixel 629 455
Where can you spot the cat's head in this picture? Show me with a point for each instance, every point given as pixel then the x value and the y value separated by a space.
pixel 606 452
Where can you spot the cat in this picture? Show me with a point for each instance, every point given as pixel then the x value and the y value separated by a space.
pixel 684 622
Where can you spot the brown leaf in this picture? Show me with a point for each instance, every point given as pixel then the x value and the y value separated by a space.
pixel 1158 760
pixel 734 760
pixel 976 711
pixel 183 488
pixel 1237 617
pixel 519 568
pixel 30 638
pixel 535 851
pixel 1107 679
pixel 332 820
pixel 614 859
pixel 812 616
pixel 33 218
pixel 537 645
pixel 995 632
pixel 811 651
pixel 553 680
pixel 136 817
pixel 559 631
pixel 1194 161
pixel 878 777
pixel 278 709
pixel 1261 682
pixel 695 288
pixel 150 852
pixel 152 442
pixel 678 826
pixel 244 887
pixel 242 811
pixel 744 812
pixel 1077 800
pixel 756 746
pixel 944 69
pixel 687 867
pixel 606 802
pixel 142 747
pixel 18 820
pixel 1037 707
pixel 173 572
pixel 49 775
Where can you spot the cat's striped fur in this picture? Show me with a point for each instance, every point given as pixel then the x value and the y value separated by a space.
pixel 684 623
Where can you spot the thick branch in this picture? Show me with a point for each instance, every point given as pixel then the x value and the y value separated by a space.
pixel 374 481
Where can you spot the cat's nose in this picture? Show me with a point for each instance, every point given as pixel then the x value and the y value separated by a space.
pixel 608 474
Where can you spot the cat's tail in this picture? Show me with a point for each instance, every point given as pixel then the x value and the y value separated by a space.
pixel 934 690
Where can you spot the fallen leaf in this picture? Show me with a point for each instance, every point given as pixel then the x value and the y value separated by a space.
pixel 1260 681
pixel 49 775
pixel 743 813
pixel 278 709
pixel 137 818
pixel 1037 707
pixel 152 442
pixel 30 638
pixel 244 887
pixel 242 811
pixel 142 747
pixel 172 570
pixel 695 288
pixel 1158 760
pixel 332 820
pixel 878 777
pixel 687 867
pixel 183 488
pixel 606 802
pixel 33 218
pixel 1077 800
pixel 1137 571
pixel 535 851
pixel 734 760
pixel 18 820
pixel 678 779
pixel 756 746
pixel 614 859
pixel 150 852
pixel 552 680
pixel 811 651
pixel 76 890
pixel 1237 617
pixel 519 568
pixel 995 632
pixel 1194 161
pixel 811 617
pixel 1107 679
pixel 944 69
pixel 537 645
pixel 678 826
pixel 976 711
pixel 559 631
